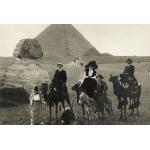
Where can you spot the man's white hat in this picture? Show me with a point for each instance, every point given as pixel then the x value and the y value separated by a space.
pixel 67 108
pixel 59 64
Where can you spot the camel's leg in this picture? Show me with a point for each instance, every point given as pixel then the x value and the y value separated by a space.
pixel 120 106
pixel 111 111
pixel 98 115
pixel 88 110
pixel 63 105
pixel 103 108
pixel 121 113
pixel 103 115
pixel 138 107
pixel 56 112
pixel 121 109
pixel 125 108
pixel 50 112
pixel 83 110
pixel 88 114
pixel 125 111
pixel 132 103
pixel 131 106
pixel 60 107
pixel 138 111
pixel 132 110
pixel 119 102
pixel 99 111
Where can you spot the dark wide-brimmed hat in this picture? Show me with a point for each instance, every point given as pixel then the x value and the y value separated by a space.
pixel 100 76
pixel 59 64
pixel 129 60
pixel 92 64
pixel 35 88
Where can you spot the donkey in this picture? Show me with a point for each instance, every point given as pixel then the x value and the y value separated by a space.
pixel 99 104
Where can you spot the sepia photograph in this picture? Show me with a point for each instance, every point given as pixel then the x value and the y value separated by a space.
pixel 74 74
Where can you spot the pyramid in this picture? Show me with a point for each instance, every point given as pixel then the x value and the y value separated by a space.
pixel 63 42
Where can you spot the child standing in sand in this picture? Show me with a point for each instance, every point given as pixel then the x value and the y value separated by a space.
pixel 35 106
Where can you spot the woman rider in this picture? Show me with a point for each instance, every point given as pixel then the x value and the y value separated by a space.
pixel 90 82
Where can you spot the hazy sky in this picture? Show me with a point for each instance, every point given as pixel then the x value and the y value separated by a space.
pixel 114 39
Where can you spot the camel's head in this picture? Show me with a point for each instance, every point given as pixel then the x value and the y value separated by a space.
pixel 76 87
pixel 113 78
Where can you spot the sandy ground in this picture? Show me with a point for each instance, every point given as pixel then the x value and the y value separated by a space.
pixel 20 114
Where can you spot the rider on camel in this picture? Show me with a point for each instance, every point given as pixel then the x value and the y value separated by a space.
pixel 59 82
pixel 60 78
pixel 90 82
pixel 128 73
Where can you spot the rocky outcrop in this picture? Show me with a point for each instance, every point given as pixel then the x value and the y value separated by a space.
pixel 21 77
pixel 28 48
